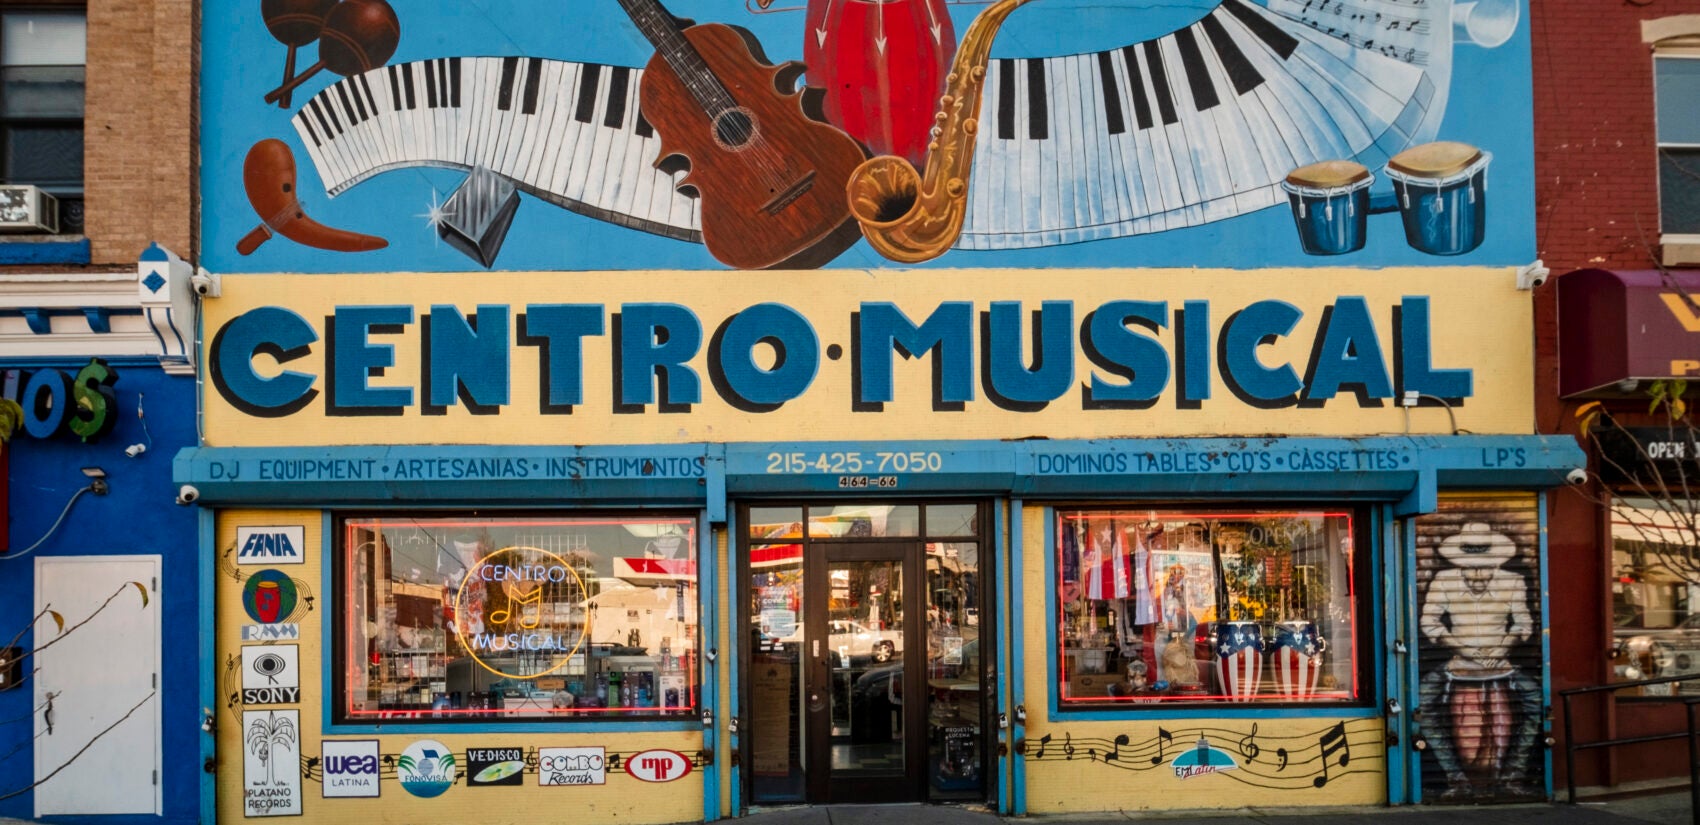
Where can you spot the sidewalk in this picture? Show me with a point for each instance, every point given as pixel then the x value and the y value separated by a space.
pixel 1666 808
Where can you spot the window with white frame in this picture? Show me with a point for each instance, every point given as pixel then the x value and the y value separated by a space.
pixel 1676 83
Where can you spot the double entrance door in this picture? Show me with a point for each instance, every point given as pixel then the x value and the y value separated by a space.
pixel 866 681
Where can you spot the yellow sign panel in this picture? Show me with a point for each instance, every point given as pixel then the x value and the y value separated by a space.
pixel 671 357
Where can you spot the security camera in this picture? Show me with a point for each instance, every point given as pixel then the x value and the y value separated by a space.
pixel 187 494
pixel 205 283
pixel 1577 476
pixel 1532 275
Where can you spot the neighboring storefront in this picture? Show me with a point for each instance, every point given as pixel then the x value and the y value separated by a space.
pixel 97 567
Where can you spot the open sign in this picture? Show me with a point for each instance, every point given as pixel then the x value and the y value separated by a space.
pixel 659 765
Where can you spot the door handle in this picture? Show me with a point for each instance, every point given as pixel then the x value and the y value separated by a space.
pixel 817 648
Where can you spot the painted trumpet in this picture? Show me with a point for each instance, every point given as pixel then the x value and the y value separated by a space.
pixel 911 216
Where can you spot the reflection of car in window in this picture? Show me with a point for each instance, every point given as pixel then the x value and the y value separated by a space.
pixel 854 640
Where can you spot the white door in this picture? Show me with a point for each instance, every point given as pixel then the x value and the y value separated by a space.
pixel 95 674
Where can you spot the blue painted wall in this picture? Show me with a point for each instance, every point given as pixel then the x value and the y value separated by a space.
pixel 136 518
pixel 1477 93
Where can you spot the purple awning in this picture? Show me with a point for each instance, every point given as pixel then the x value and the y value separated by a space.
pixel 1616 326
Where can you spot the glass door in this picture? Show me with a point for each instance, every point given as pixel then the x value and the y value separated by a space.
pixel 865 649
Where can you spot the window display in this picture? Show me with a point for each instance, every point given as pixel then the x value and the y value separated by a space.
pixel 517 617
pixel 1655 626
pixel 1161 606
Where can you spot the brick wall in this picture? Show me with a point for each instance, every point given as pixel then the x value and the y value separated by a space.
pixel 1597 205
pixel 137 161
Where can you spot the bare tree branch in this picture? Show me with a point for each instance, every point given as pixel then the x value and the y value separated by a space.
pixel 83 750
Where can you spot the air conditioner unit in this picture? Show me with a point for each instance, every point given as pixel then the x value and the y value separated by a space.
pixel 25 208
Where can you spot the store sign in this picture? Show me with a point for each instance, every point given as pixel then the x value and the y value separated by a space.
pixel 350 768
pixel 658 765
pixel 55 402
pixel 271 545
pixel 571 766
pixel 521 612
pixel 271 763
pixel 1202 759
pixel 271 675
pixel 977 350
pixel 492 767
pixel 1650 454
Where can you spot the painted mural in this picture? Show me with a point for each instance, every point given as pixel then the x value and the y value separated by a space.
pixel 1480 696
pixel 512 134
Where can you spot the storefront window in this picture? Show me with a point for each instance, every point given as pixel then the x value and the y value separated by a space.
pixel 1654 592
pixel 517 617
pixel 1162 606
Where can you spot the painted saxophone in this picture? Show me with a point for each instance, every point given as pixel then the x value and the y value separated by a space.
pixel 910 216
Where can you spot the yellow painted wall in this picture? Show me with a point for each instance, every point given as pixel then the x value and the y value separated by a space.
pixel 1478 319
pixel 623 799
pixel 1073 775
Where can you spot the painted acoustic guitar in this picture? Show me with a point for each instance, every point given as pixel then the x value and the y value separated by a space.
pixel 771 179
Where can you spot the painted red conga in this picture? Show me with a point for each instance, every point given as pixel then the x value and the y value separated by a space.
pixel 268 602
pixel 882 64
pixel 1480 707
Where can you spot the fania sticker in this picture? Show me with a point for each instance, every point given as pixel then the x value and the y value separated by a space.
pixel 426 768
pixel 350 766
pixel 271 545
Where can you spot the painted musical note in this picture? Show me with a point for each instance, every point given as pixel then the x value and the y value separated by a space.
pixel 1043 741
pixel 1068 745
pixel 1162 736
pixel 1332 742
pixel 1248 746
pixel 1281 754
pixel 1116 755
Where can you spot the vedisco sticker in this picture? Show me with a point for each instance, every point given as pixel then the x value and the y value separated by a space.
pixel 426 768
pixel 658 765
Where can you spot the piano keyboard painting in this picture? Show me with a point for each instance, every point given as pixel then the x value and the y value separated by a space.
pixel 1083 136
pixel 1196 126
pixel 569 133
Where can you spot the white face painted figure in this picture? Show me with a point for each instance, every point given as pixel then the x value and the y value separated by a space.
pixel 1476 607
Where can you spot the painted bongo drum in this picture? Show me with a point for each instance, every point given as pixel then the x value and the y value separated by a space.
pixel 1442 194
pixel 1330 203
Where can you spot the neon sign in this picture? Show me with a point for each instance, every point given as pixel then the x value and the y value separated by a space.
pixel 521 600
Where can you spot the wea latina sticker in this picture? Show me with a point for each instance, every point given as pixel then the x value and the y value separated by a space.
pixel 426 768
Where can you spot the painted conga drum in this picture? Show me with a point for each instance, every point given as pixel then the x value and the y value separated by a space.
pixel 268 602
pixel 882 66
pixel 1480 707
pixel 1239 659
pixel 1296 655
pixel 1442 192
pixel 1330 203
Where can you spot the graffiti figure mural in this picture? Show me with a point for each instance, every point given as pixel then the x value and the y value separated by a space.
pixel 1481 713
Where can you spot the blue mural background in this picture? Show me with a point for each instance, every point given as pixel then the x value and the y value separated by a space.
pixel 1488 106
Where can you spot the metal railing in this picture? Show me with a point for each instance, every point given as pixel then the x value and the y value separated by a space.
pixel 1571 746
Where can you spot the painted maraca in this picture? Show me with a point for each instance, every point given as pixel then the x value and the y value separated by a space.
pixel 294 23
pixel 358 36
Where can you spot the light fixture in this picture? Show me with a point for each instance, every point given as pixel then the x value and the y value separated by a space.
pixel 97 480
pixel 1628 385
